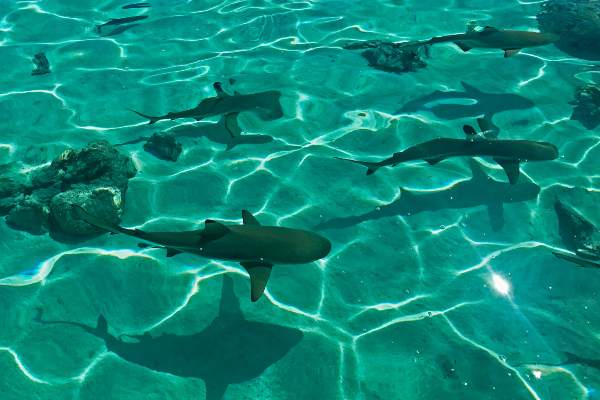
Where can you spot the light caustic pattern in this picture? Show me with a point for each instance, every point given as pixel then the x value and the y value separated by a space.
pixel 433 304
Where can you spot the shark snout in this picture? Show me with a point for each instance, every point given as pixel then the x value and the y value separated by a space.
pixel 313 248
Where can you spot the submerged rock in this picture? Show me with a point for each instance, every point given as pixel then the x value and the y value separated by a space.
pixel 29 216
pixel 578 24
pixel 575 230
pixel 104 202
pixel 163 146
pixel 391 57
pixel 95 178
pixel 586 108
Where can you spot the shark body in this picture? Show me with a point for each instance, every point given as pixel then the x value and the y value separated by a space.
pixel 266 104
pixel 511 41
pixel 507 153
pixel 257 248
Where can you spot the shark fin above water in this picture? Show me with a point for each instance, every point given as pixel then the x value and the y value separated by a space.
pixel 511 168
pixel 259 276
pixel 249 219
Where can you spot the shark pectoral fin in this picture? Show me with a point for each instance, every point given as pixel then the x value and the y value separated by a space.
pixel 259 275
pixel 231 124
pixel 463 46
pixel 213 230
pixel 172 252
pixel 434 160
pixel 510 52
pixel 511 168
pixel 249 219
pixel 496 215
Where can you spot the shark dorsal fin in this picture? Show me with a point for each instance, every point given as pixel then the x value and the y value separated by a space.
pixel 259 272
pixel 469 130
pixel 470 88
pixel 219 89
pixel 248 218
pixel 510 167
pixel 213 230
pixel 101 326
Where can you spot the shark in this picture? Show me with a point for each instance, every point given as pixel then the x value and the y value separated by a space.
pixel 480 190
pixel 256 247
pixel 510 41
pixel 506 153
pixel 265 104
pixel 230 350
pixel 470 102
pixel 224 132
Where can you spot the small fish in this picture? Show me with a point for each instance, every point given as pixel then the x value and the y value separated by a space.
pixel 136 5
pixel 120 21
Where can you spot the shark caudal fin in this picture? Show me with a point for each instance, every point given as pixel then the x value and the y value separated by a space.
pixel 83 215
pixel 151 119
pixel 371 166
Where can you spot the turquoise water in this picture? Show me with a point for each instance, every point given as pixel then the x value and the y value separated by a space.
pixel 430 290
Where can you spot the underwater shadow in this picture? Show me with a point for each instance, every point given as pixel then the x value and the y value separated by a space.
pixel 471 102
pixel 230 350
pixel 479 190
pixel 219 133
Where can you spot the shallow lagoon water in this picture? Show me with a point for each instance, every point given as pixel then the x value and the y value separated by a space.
pixel 425 305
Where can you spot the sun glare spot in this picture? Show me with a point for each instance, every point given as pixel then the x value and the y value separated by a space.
pixel 500 284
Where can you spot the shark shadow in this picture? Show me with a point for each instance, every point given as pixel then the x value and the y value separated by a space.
pixel 479 190
pixel 471 102
pixel 230 350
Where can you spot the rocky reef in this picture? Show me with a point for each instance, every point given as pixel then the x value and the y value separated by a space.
pixel 586 108
pixel 391 57
pixel 578 24
pixel 39 200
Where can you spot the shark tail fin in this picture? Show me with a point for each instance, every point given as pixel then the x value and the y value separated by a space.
pixel 151 119
pixel 371 166
pixel 83 215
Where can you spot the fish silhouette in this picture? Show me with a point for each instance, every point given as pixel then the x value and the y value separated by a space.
pixel 471 102
pixel 480 190
pixel 230 350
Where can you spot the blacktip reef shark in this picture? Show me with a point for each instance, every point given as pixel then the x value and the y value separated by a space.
pixel 231 350
pixel 511 41
pixel 507 153
pixel 257 248
pixel 265 104
pixel 471 102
